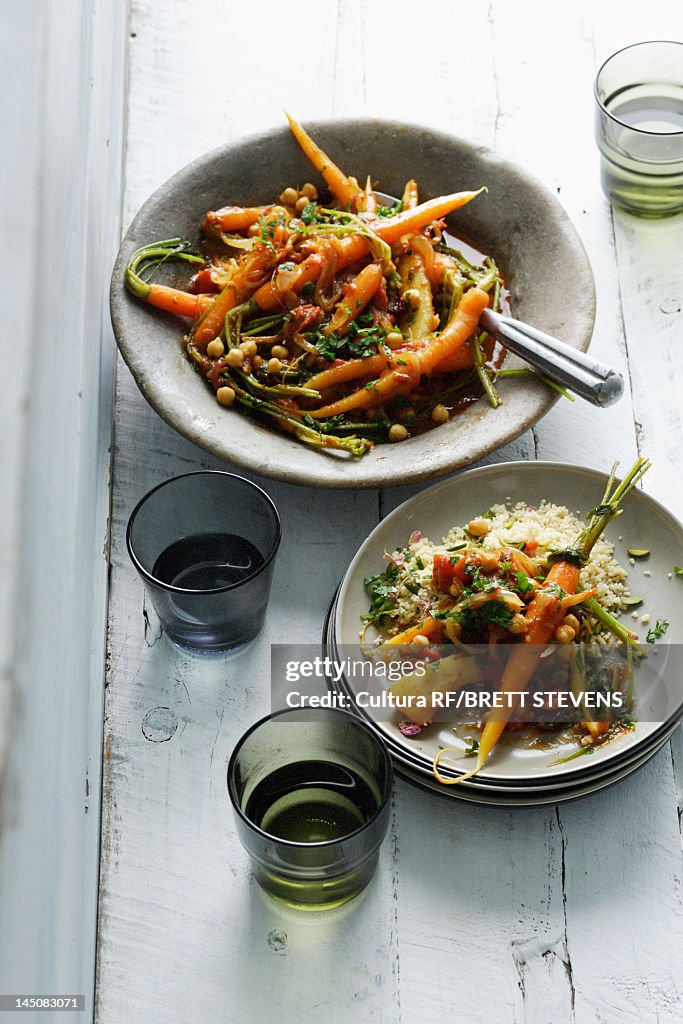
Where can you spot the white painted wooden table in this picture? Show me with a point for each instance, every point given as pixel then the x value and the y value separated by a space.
pixel 545 916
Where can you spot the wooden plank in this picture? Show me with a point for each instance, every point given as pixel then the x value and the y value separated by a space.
pixel 184 933
pixel 65 73
pixel 211 925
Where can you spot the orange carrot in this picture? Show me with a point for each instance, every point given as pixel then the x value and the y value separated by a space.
pixel 213 321
pixel 410 198
pixel 181 303
pixel 269 297
pixel 350 369
pixel 410 221
pixel 431 628
pixel 398 381
pixel 461 359
pixel 366 201
pixel 461 326
pixel 355 298
pixel 235 218
pixel 421 321
pixel 344 189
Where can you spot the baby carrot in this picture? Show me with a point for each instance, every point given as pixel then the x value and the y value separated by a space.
pixel 461 326
pixel 181 303
pixel 422 320
pixel 268 297
pixel 346 190
pixel 410 198
pixel 419 217
pixel 431 628
pixel 213 321
pixel 366 201
pixel 355 298
pixel 235 218
pixel 397 381
pixel 350 369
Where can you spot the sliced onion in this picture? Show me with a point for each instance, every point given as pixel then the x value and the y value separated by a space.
pixel 324 298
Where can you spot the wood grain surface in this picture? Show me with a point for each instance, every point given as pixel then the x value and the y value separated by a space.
pixel 544 916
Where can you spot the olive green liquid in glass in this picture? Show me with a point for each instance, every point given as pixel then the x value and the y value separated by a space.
pixel 642 170
pixel 313 802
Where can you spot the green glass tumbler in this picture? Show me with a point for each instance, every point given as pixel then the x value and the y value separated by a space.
pixel 310 789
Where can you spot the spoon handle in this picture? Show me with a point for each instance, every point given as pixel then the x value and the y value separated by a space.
pixel 574 370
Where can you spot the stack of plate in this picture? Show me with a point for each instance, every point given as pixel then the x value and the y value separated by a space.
pixel 519 775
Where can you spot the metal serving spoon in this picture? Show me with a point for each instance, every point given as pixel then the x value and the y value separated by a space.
pixel 578 372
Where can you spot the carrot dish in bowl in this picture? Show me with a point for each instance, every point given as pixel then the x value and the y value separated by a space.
pixel 344 322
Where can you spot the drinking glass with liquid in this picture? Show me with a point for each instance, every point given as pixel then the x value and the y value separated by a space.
pixel 639 128
pixel 205 545
pixel 310 789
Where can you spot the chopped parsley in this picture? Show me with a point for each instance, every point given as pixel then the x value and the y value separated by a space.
pixel 362 339
pixel 390 211
pixel 658 630
pixel 309 214
pixel 524 584
pixel 479 583
pixel 475 619
pixel 382 589
pixel 678 571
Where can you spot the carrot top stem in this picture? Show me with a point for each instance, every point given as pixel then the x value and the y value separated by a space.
pixel 146 260
pixel 609 507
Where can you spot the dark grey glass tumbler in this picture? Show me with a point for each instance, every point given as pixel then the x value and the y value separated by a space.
pixel 310 789
pixel 205 545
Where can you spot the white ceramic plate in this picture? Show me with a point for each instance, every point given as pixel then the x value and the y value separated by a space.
pixel 534 798
pixel 644 524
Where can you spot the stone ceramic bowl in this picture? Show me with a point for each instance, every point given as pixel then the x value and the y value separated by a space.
pixel 518 221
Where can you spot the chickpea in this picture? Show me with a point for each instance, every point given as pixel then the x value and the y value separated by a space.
pixel 250 348
pixel 518 625
pixel 397 432
pixel 394 339
pixel 289 197
pixel 478 527
pixel 257 362
pixel 440 414
pixel 310 191
pixel 412 297
pixel 274 365
pixel 225 396
pixel 572 622
pixel 420 640
pixel 235 357
pixel 301 204
pixel 215 348
pixel 564 634
pixel 453 630
pixel 456 588
pixel 280 352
